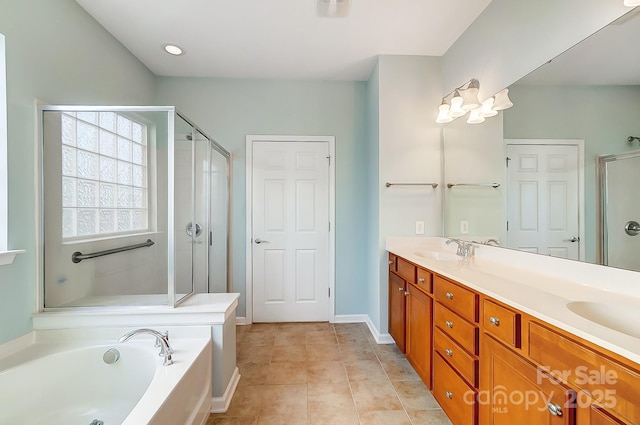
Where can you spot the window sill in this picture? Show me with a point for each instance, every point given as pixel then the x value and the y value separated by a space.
pixel 6 257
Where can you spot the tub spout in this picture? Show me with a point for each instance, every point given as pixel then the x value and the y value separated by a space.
pixel 162 340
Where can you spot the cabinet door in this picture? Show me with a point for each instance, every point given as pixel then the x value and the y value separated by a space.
pixel 589 413
pixel 419 331
pixel 397 309
pixel 514 391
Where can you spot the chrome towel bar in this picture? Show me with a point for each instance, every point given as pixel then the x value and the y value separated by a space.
pixel 433 185
pixel 493 185
pixel 77 256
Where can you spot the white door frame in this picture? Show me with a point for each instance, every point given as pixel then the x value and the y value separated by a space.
pixel 250 139
pixel 581 195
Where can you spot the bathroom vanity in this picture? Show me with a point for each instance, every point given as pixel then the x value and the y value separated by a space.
pixel 505 337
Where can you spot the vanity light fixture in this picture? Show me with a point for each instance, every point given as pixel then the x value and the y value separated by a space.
pixel 632 3
pixel 465 99
pixel 172 49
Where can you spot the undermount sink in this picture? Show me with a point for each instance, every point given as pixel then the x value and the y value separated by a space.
pixel 619 318
pixel 438 255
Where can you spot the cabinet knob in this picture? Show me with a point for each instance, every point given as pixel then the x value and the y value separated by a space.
pixel 449 352
pixel 390 262
pixel 555 409
pixel 448 394
pixel 406 293
pixel 494 321
pixel 421 280
pixel 449 295
pixel 400 289
pixel 449 324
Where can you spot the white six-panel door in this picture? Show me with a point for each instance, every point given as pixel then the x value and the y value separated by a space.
pixel 290 231
pixel 543 199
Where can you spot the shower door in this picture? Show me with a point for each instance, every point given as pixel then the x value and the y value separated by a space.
pixel 620 211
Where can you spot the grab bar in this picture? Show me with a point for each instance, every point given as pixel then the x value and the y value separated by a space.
pixel 493 185
pixel 433 185
pixel 77 256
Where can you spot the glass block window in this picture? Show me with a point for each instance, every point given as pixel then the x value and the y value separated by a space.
pixel 104 175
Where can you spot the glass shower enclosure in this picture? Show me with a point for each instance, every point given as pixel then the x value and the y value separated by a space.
pixel 619 210
pixel 135 207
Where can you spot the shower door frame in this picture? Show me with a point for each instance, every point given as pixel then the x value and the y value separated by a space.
pixel 601 175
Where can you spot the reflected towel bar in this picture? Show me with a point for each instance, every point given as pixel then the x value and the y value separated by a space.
pixel 493 185
pixel 433 185
pixel 77 256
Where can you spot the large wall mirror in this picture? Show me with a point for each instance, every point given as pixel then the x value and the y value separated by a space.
pixel 557 174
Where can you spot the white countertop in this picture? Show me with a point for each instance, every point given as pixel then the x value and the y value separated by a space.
pixel 539 285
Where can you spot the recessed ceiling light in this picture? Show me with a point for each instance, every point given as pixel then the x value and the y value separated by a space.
pixel 172 49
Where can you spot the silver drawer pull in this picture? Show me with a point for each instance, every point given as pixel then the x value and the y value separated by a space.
pixel 555 409
pixel 449 352
pixel 400 289
pixel 449 324
pixel 448 395
pixel 421 280
pixel 449 295
pixel 494 321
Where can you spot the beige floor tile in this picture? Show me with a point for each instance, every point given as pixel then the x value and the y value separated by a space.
pixel 289 353
pixel 365 370
pixel 259 338
pixel 252 373
pixel 284 400
pixel 286 373
pixel 331 372
pixel 224 420
pixel 374 395
pixel 385 417
pixel 414 395
pixel 350 354
pixel 348 345
pixel 247 401
pixel 324 396
pixel 254 354
pixel 283 420
pixel 399 369
pixel 331 416
pixel 428 417
pixel 323 352
pixel 352 337
pixel 290 338
pixel 321 337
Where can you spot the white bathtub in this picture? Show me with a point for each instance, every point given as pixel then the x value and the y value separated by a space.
pixel 59 377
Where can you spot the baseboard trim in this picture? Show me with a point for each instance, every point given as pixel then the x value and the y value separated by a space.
pixel 221 404
pixel 364 318
pixel 242 321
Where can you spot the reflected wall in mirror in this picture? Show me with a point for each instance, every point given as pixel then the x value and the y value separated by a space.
pixel 590 95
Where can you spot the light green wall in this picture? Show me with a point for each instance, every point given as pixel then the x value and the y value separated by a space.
pixel 230 109
pixel 56 53
pixel 604 116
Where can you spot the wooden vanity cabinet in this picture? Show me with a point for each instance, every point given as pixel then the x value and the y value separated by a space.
pixel 590 413
pixel 397 310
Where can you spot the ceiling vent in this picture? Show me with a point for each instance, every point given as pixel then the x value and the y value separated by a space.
pixel 333 8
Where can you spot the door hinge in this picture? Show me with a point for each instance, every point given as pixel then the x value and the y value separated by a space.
pixel 507 226
pixel 329 226
pixel 329 292
pixel 329 158
pixel 507 161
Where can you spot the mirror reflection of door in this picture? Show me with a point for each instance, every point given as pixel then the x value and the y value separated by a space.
pixel 543 199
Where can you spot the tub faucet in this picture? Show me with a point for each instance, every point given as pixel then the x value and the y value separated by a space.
pixel 162 341
pixel 465 249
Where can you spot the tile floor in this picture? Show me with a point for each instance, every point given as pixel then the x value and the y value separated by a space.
pixel 321 373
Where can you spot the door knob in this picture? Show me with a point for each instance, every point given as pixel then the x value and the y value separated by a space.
pixel 573 239
pixel 632 228
pixel 259 241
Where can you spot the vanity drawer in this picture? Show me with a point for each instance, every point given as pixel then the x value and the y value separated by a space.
pixel 392 262
pixel 463 362
pixel 457 399
pixel 425 280
pixel 611 384
pixel 502 323
pixel 406 270
pixel 463 301
pixel 458 329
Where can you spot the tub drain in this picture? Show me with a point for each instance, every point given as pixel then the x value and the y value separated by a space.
pixel 97 422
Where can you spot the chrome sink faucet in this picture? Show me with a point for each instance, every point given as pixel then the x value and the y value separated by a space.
pixel 465 249
pixel 162 341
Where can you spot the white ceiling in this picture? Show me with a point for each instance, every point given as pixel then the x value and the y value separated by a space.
pixel 608 57
pixel 282 39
